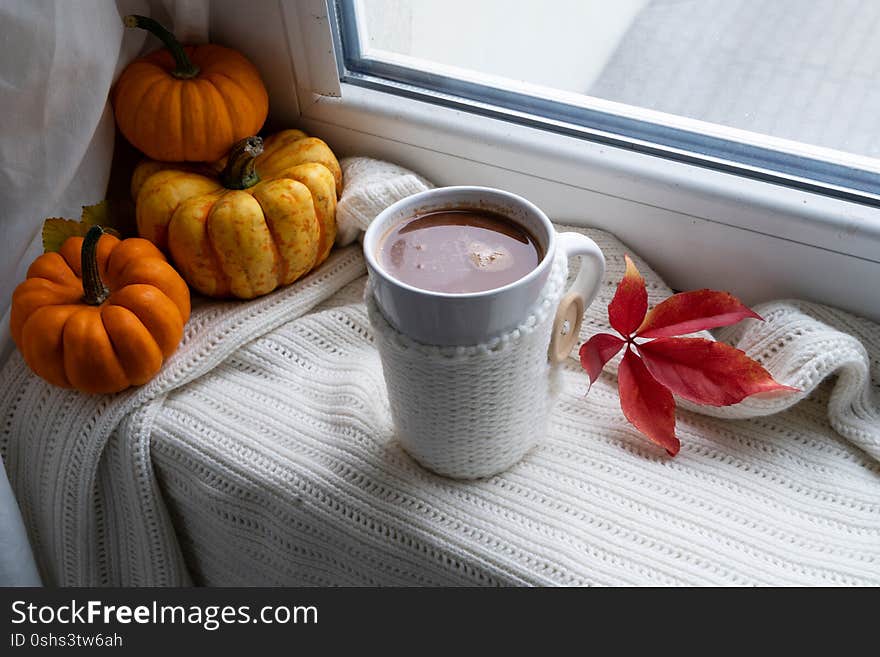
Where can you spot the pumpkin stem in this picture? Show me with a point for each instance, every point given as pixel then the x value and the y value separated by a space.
pixel 240 172
pixel 185 68
pixel 95 292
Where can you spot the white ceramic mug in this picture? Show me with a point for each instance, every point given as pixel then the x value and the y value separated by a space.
pixel 441 318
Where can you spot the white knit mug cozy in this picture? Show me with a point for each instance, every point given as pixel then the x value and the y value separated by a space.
pixel 471 377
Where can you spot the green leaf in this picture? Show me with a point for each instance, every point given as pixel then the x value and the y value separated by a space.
pixel 112 216
pixel 56 231
pixel 117 214
pixel 97 215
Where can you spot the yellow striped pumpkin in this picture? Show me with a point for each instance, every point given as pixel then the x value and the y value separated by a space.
pixel 241 227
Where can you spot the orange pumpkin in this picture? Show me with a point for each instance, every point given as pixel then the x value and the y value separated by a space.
pixel 266 219
pixel 188 103
pixel 75 332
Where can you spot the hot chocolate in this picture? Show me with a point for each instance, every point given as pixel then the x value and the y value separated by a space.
pixel 459 251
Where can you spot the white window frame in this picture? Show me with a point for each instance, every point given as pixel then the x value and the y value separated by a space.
pixel 696 226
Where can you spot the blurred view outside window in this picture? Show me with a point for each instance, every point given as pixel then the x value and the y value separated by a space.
pixel 801 70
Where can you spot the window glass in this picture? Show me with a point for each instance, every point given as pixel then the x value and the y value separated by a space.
pixel 791 86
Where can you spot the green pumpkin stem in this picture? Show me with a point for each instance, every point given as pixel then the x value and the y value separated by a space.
pixel 240 172
pixel 94 291
pixel 185 68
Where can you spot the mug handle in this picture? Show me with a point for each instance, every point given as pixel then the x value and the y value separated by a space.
pixel 570 313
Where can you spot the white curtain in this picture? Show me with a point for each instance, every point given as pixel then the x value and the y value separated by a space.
pixel 56 145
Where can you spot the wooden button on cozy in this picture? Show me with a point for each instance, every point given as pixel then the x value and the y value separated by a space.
pixel 566 326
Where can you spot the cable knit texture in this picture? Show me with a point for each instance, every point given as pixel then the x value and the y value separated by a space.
pixel 264 453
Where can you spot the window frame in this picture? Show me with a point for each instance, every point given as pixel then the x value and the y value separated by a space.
pixel 807 244
pixel 744 153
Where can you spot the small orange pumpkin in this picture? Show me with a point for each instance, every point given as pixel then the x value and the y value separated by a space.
pixel 76 333
pixel 188 104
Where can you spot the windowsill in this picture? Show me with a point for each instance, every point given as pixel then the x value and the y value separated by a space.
pixel 697 227
pixel 839 226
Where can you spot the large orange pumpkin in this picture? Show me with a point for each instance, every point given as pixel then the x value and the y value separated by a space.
pixel 188 103
pixel 76 332
pixel 267 218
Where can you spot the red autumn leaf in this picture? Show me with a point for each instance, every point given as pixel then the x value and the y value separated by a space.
pixel 706 372
pixel 699 370
pixel 630 303
pixel 597 351
pixel 688 312
pixel 646 404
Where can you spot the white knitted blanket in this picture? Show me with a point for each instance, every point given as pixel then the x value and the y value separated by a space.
pixel 263 453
